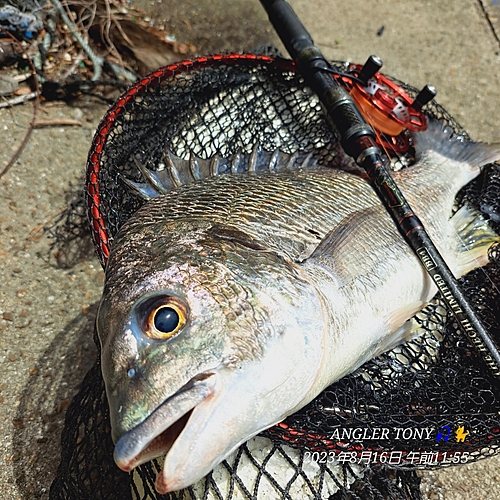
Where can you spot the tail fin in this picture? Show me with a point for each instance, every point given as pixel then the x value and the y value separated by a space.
pixel 440 138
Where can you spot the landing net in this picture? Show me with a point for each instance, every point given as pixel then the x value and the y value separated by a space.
pixel 431 402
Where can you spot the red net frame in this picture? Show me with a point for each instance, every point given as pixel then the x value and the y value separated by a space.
pixel 292 434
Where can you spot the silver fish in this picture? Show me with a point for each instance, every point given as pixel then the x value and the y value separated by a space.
pixel 231 301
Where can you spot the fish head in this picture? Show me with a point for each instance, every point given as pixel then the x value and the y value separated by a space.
pixel 207 338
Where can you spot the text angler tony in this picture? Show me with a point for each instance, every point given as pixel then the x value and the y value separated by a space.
pixel 383 433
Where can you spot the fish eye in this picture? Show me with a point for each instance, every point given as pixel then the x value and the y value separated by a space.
pixel 166 319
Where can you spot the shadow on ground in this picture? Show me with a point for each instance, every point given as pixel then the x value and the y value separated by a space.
pixel 54 380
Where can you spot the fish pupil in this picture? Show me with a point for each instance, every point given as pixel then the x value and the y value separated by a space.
pixel 166 320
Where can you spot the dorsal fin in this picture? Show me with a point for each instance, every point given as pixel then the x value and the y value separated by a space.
pixel 176 172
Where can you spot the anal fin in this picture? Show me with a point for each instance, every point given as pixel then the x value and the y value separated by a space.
pixel 406 332
pixel 476 237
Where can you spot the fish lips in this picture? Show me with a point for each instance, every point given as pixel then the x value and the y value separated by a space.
pixel 156 435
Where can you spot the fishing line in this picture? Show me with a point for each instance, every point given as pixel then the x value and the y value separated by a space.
pixel 349 75
pixel 481 267
pixel 487 275
pixel 403 182
pixel 393 153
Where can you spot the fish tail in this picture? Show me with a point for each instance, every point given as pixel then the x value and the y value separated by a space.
pixel 440 138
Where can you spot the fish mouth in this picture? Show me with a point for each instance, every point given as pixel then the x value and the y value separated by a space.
pixel 156 435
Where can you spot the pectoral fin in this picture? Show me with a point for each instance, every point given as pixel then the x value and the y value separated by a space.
pixel 353 249
pixel 340 237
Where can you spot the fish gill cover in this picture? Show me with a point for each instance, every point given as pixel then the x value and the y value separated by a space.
pixel 429 402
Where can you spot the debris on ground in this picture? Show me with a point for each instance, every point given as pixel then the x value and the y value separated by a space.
pixel 61 49
pixel 76 47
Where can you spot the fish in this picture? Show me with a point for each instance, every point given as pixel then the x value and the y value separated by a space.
pixel 245 286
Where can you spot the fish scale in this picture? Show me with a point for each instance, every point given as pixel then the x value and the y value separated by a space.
pixel 279 209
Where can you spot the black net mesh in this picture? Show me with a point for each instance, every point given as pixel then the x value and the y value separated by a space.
pixel 70 233
pixel 431 401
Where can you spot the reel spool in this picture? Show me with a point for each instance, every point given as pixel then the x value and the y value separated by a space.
pixel 386 106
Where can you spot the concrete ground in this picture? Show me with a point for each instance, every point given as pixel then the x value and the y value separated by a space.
pixel 46 311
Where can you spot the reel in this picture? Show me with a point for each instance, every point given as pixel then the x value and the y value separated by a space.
pixel 385 105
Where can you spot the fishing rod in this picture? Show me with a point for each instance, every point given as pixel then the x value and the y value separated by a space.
pixel 357 138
